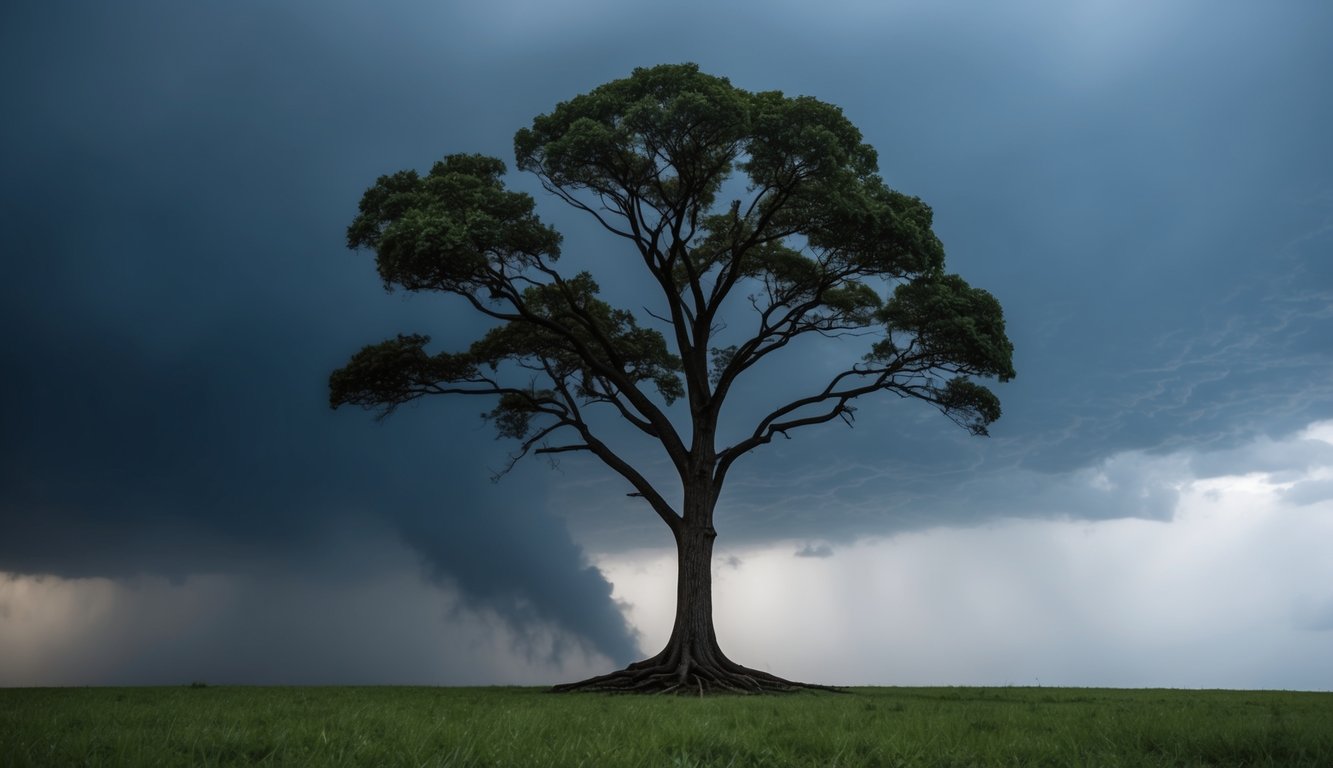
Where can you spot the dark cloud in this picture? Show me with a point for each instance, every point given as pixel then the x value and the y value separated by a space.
pixel 1146 190
pixel 225 456
pixel 178 296
pixel 1157 226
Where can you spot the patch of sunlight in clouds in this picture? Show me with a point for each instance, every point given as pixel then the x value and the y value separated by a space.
pixel 1234 591
pixel 47 623
pixel 388 627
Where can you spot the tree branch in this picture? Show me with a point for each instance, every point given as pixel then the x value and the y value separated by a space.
pixel 640 483
pixel 771 426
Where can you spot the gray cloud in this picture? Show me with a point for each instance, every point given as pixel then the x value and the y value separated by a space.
pixel 815 550
pixel 285 625
pixel 1146 190
pixel 1280 458
pixel 1315 615
pixel 1309 492
pixel 218 462
pixel 1159 301
pixel 181 298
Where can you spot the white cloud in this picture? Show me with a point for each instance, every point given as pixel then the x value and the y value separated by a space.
pixel 1233 591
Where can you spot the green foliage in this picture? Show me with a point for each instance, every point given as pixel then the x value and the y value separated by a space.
pixel 954 325
pixel 817 244
pixel 666 136
pixel 457 229
pixel 953 328
pixel 514 412
pixel 908 727
pixel 395 371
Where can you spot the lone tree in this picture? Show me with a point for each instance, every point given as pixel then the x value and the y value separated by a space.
pixel 815 244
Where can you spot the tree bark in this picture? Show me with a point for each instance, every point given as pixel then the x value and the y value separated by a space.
pixel 693 631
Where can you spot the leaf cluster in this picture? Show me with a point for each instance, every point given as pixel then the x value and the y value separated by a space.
pixel 455 229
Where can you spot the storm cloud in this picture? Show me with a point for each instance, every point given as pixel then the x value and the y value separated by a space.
pixel 178 294
pixel 1147 189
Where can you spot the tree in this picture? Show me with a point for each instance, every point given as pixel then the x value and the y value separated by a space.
pixel 812 244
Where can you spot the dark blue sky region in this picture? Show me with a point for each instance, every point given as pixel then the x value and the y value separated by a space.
pixel 1146 187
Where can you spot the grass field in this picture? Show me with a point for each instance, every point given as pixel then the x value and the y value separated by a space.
pixel 214 726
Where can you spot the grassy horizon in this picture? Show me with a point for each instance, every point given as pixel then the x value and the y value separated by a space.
pixel 503 726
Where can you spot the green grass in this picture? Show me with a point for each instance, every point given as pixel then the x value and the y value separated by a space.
pixel 215 726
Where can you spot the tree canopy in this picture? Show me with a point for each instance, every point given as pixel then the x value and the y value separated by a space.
pixel 647 156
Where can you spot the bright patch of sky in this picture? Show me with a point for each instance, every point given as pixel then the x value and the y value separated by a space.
pixel 1234 589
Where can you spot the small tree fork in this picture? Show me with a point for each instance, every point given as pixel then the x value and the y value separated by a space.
pixel 646 157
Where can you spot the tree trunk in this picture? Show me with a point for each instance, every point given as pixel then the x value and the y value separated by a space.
pixel 691 662
pixel 693 635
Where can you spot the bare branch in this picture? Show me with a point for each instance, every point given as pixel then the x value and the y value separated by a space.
pixel 772 424
pixel 560 192
pixel 655 316
pixel 527 445
pixel 562 449
pixel 641 485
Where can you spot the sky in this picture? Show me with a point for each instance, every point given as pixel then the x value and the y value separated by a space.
pixel 1146 187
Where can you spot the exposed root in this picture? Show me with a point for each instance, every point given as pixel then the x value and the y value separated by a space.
pixel 685 676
